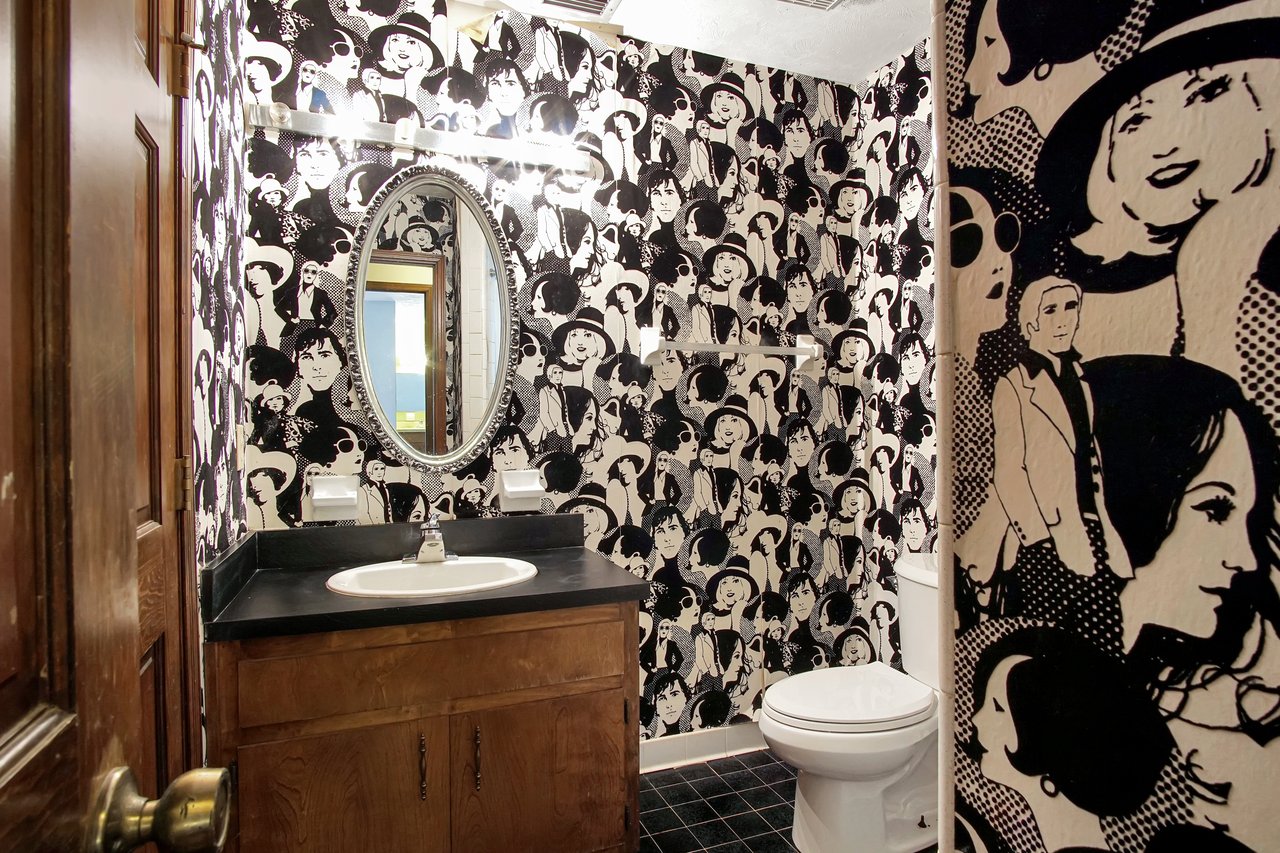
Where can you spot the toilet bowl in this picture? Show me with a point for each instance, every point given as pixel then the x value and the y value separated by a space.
pixel 864 739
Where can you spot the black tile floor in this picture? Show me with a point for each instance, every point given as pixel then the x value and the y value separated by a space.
pixel 742 804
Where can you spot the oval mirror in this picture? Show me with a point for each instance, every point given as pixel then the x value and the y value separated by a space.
pixel 430 319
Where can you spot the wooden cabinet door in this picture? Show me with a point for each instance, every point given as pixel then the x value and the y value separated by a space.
pixel 352 790
pixel 547 775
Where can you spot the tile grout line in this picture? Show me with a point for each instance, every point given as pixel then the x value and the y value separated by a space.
pixel 724 819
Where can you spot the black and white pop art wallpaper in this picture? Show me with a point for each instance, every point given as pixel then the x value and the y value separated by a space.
pixel 1114 204
pixel 729 203
pixel 219 331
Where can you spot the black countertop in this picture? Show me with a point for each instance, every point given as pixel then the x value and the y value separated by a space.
pixel 273 583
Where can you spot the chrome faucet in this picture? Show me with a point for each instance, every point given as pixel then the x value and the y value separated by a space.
pixel 432 548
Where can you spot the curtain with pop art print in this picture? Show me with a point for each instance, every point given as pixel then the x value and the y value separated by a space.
pixel 727 203
pixel 1114 208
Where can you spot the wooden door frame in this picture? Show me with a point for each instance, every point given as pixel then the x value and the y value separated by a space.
pixel 190 627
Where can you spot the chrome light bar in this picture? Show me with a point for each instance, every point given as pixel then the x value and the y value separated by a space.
pixel 407 134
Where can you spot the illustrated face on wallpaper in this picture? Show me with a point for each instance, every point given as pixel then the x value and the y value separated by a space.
pixel 847 202
pixel 594 520
pixel 911 198
pixel 346 57
pixel 668 370
pixel 682 115
pixel 670 704
pixel 350 454
pixel 797 138
pixel 376 470
pixel 1056 318
pixel 982 246
pixel 582 345
pixel 668 536
pixel 913 363
pixel 732 590
pixel 802 600
pixel 506 92
pixel 730 429
pixel 994 734
pixel 914 530
pixel 800 446
pixel 727 107
pixel 800 291
pixel 1182 587
pixel 510 455
pixel 402 52
pixel 988 93
pixel 664 198
pixel 586 431
pixel 319 365
pixel 257 75
pixel 733 669
pixel 318 163
pixel 856 650
pixel 583 73
pixel 1178 147
pixel 259 281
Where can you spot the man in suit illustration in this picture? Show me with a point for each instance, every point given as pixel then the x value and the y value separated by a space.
pixel 1047 470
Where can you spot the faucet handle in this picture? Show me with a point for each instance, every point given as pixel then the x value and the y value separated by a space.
pixel 432 522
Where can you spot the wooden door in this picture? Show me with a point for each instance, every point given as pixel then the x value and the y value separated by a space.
pixel 72 125
pixel 549 775
pixel 383 788
pixel 161 411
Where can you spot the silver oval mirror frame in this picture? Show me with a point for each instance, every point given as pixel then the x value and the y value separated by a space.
pixel 401 185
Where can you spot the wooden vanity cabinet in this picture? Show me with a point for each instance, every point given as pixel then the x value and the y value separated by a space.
pixel 377 788
pixel 477 736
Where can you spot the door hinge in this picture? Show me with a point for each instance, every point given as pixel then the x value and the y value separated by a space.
pixel 181 77
pixel 180 73
pixel 186 485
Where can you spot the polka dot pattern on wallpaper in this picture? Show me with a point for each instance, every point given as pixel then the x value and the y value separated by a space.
pixel 726 203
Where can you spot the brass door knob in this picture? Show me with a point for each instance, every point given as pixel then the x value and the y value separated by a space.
pixel 191 816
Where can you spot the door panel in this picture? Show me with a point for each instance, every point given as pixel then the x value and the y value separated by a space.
pixel 551 775
pixel 146 298
pixel 158 393
pixel 353 790
pixel 85 452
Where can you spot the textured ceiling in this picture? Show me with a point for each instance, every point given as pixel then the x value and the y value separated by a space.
pixel 845 44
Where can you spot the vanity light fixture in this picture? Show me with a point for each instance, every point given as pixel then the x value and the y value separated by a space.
pixel 823 5
pixel 805 351
pixel 406 134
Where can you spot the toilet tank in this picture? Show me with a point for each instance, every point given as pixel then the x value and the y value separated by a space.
pixel 919 621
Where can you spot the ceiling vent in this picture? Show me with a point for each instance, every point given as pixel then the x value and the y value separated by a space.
pixel 590 10
pixel 824 5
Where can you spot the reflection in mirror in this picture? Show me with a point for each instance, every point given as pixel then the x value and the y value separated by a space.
pixel 433 310
pixel 403 319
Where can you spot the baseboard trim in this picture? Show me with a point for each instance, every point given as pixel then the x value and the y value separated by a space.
pixel 694 747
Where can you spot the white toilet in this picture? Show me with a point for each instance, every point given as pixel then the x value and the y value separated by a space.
pixel 865 738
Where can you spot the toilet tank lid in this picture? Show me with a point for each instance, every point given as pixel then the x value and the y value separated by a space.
pixel 870 693
pixel 918 568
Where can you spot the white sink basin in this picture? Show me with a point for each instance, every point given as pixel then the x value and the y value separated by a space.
pixel 398 579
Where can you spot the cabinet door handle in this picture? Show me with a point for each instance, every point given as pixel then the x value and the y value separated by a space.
pixel 477 758
pixel 422 767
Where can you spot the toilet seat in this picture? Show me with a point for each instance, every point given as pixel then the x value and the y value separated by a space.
pixel 873 697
